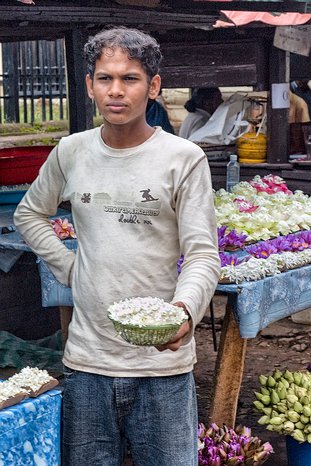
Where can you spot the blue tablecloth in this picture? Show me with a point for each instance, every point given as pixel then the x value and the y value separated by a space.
pixel 257 304
pixel 30 431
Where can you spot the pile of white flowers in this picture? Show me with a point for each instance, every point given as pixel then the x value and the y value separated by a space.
pixel 256 269
pixel 9 389
pixel 32 378
pixel 146 311
pixel 25 383
pixel 276 214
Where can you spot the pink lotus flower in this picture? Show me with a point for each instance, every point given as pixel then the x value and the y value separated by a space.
pixel 270 184
pixel 63 228
pixel 245 206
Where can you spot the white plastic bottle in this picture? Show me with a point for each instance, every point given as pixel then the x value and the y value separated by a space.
pixel 233 172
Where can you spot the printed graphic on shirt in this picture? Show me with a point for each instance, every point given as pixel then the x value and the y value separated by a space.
pixel 147 196
pixel 145 204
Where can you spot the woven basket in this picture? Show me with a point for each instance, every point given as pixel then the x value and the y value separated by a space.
pixel 146 336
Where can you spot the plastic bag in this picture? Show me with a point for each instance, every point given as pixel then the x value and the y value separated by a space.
pixel 226 123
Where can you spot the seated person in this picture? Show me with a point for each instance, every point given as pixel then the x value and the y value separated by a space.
pixel 201 106
pixel 302 88
pixel 156 115
pixel 298 110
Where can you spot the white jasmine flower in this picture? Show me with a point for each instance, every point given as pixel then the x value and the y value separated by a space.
pixel 147 311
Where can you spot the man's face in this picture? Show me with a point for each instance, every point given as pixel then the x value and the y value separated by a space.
pixel 120 88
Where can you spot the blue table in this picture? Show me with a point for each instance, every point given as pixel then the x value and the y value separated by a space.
pixel 257 304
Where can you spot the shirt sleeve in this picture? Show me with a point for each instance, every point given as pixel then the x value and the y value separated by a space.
pixel 31 219
pixel 198 242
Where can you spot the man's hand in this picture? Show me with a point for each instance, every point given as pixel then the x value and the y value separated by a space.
pixel 176 341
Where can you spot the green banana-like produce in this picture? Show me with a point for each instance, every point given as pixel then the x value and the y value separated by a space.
pixel 271 381
pixel 284 401
pixel 274 397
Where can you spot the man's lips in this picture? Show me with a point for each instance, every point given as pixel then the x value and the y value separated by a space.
pixel 116 106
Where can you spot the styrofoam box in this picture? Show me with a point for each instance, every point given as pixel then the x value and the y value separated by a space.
pixel 30 431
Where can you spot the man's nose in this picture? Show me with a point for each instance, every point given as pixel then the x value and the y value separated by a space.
pixel 116 88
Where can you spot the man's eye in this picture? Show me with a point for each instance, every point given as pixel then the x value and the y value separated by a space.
pixel 130 78
pixel 104 78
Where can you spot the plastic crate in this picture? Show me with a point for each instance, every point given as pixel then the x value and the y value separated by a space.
pixel 21 164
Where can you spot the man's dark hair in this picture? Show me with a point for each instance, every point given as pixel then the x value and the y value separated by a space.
pixel 201 95
pixel 135 43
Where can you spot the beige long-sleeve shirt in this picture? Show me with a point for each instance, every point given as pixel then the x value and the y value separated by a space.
pixel 135 211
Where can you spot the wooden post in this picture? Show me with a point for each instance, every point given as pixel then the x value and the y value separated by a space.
pixel 228 372
pixel 277 119
pixel 80 106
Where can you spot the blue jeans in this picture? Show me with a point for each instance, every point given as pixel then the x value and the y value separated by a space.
pixel 157 416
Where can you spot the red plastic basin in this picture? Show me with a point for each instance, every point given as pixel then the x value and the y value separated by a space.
pixel 20 165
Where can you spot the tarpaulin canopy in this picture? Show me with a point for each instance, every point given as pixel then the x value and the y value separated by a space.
pixel 241 18
pixel 274 5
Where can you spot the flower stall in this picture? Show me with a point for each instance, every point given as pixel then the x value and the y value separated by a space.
pixel 264 245
pixel 264 242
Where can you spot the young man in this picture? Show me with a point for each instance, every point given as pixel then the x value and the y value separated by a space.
pixel 140 197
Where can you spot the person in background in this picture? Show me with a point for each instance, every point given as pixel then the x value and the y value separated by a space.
pixel 302 88
pixel 140 197
pixel 298 110
pixel 157 115
pixel 201 106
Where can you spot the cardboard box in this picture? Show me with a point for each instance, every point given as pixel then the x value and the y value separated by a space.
pixel 30 431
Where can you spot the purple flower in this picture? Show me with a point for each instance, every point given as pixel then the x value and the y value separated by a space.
pixel 309 367
pixel 305 236
pixel 262 250
pixel 229 259
pixel 298 243
pixel 281 243
pixel 179 263
pixel 221 237
pixel 235 239
pixel 232 239
pixel 224 447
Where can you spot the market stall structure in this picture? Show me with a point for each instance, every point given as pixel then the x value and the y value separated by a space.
pixel 196 55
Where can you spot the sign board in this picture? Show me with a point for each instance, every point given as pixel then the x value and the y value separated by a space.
pixel 295 39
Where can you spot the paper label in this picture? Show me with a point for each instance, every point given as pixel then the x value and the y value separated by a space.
pixel 295 39
pixel 280 95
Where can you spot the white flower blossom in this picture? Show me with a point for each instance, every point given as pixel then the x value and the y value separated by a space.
pixel 147 311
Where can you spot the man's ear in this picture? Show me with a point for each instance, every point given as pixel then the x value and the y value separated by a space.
pixel 154 87
pixel 89 86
